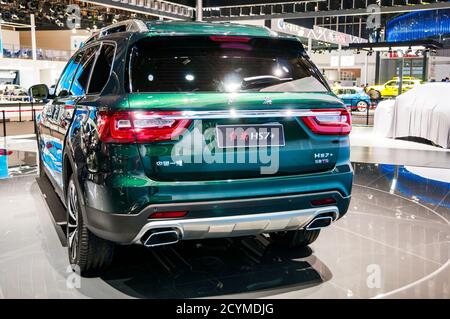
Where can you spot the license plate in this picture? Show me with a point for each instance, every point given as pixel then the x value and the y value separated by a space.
pixel 250 135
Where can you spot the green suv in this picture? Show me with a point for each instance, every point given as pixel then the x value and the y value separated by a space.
pixel 159 132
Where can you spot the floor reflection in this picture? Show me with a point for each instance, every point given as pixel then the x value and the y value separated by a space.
pixel 390 244
pixel 431 188
pixel 17 163
pixel 211 268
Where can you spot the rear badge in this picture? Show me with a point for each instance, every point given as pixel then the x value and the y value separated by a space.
pixel 251 135
pixel 322 158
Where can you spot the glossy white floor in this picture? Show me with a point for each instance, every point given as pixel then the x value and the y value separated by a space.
pixel 394 242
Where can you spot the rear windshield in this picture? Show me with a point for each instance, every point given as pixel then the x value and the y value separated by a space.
pixel 221 64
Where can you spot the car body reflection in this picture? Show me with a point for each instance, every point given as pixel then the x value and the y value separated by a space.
pixel 249 266
pixel 413 185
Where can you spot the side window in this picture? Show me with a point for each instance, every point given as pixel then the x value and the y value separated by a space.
pixel 81 80
pixel 63 87
pixel 102 69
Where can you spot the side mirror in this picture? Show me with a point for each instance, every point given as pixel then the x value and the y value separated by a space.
pixel 39 92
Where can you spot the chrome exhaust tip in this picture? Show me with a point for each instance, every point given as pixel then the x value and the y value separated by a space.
pixel 319 222
pixel 161 237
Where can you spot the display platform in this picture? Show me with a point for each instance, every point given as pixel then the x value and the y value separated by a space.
pixel 393 243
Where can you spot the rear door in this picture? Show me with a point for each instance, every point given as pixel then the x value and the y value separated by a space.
pixel 51 144
pixel 208 108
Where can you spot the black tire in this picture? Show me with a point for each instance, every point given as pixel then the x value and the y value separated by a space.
pixel 88 253
pixel 295 238
pixel 41 167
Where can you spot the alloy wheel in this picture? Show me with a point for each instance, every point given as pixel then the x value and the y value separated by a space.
pixel 72 222
pixel 361 105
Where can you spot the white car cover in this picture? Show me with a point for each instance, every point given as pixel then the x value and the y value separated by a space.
pixel 423 111
pixel 382 121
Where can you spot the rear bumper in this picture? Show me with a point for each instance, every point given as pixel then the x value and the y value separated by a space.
pixel 216 219
pixel 239 225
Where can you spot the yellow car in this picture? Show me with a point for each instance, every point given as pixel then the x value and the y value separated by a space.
pixel 390 88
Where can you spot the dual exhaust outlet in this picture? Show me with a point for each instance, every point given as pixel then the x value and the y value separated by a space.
pixel 161 236
pixel 166 236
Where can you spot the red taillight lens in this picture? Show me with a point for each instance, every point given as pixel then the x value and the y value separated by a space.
pixel 5 152
pixel 140 126
pixel 329 122
pixel 323 201
pixel 168 215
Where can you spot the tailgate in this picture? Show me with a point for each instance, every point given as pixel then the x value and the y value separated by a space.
pixel 236 136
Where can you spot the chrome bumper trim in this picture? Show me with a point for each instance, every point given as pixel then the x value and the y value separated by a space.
pixel 232 113
pixel 240 225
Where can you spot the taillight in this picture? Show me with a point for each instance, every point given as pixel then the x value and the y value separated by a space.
pixel 140 126
pixel 329 122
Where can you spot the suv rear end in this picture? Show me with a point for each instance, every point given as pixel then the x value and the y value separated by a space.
pixel 215 135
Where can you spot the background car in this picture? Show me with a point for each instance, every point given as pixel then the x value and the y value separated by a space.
pixel 12 89
pixel 13 92
pixel 390 88
pixel 354 97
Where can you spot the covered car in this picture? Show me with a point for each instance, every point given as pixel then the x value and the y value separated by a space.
pixel 424 112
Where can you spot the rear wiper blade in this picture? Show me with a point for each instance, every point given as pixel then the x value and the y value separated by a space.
pixel 266 77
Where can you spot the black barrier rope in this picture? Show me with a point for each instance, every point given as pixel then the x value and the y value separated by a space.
pixel 4 122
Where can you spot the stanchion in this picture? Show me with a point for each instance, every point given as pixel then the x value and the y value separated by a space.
pixel 367 114
pixel 20 112
pixel 33 114
pixel 4 123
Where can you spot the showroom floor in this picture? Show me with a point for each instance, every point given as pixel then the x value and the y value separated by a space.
pixel 394 242
pixel 391 244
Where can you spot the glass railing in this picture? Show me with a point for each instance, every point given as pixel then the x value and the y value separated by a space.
pixel 21 52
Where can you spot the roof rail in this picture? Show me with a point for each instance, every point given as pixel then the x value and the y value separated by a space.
pixel 132 25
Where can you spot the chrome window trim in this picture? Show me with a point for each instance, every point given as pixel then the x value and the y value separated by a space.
pixel 232 113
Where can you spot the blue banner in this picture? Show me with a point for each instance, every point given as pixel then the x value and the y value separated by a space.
pixel 418 25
